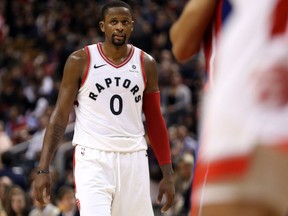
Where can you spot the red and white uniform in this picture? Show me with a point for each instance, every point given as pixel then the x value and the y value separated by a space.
pixel 109 111
pixel 111 164
pixel 248 103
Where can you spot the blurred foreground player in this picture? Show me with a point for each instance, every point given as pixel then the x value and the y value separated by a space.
pixel 243 161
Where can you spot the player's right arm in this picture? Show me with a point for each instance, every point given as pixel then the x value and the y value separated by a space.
pixel 157 132
pixel 73 70
pixel 187 32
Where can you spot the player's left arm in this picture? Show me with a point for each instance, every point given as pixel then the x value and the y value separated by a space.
pixel 157 131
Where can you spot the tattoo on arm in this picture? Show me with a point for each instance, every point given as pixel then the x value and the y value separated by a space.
pixel 56 134
pixel 52 139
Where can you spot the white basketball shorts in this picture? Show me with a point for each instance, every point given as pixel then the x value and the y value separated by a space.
pixel 112 183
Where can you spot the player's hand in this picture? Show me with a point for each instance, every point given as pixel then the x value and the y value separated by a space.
pixel 167 188
pixel 42 188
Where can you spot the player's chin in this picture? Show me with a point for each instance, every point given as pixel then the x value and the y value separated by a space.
pixel 118 42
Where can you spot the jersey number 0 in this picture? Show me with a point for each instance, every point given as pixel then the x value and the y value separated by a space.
pixel 114 101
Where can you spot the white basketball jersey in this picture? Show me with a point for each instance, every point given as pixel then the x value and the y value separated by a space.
pixel 247 105
pixel 250 59
pixel 109 111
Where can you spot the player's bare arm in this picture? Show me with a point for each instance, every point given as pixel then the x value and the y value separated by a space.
pixel 187 32
pixel 150 66
pixel 74 68
pixel 159 141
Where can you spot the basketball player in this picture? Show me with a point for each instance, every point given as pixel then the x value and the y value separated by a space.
pixel 112 82
pixel 242 164
pixel 199 27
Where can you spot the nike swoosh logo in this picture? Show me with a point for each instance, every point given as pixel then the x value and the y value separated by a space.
pixel 98 66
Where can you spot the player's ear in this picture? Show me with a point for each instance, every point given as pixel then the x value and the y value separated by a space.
pixel 101 25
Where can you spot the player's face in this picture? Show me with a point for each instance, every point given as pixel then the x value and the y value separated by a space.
pixel 117 26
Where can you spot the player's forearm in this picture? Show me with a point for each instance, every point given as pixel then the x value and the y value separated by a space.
pixel 54 134
pixel 156 127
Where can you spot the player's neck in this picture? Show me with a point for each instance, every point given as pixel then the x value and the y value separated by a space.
pixel 116 54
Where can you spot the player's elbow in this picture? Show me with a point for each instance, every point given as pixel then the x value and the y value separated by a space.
pixel 183 54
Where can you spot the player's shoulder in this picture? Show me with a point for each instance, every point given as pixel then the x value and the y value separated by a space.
pixel 149 61
pixel 78 56
pixel 147 58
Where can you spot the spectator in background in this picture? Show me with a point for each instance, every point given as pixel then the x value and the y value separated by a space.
pixel 16 174
pixel 181 142
pixel 165 70
pixel 66 201
pixel 18 202
pixel 143 34
pixel 5 141
pixel 183 184
pixel 17 125
pixel 176 99
pixel 3 26
pixel 35 144
pixel 5 185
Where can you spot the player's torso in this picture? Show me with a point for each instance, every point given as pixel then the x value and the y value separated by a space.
pixel 110 98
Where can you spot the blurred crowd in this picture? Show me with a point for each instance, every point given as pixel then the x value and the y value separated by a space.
pixel 36 37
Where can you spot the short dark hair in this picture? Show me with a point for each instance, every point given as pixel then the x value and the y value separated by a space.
pixel 112 4
pixel 63 190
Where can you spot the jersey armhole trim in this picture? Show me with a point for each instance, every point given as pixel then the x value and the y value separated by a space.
pixel 87 66
pixel 219 18
pixel 143 68
pixel 279 18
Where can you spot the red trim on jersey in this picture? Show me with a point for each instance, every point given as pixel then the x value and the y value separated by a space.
pixel 226 168
pixel 231 168
pixel 280 18
pixel 74 163
pixel 218 23
pixel 87 66
pixel 282 145
pixel 212 34
pixel 208 50
pixel 207 53
pixel 127 59
pixel 143 68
